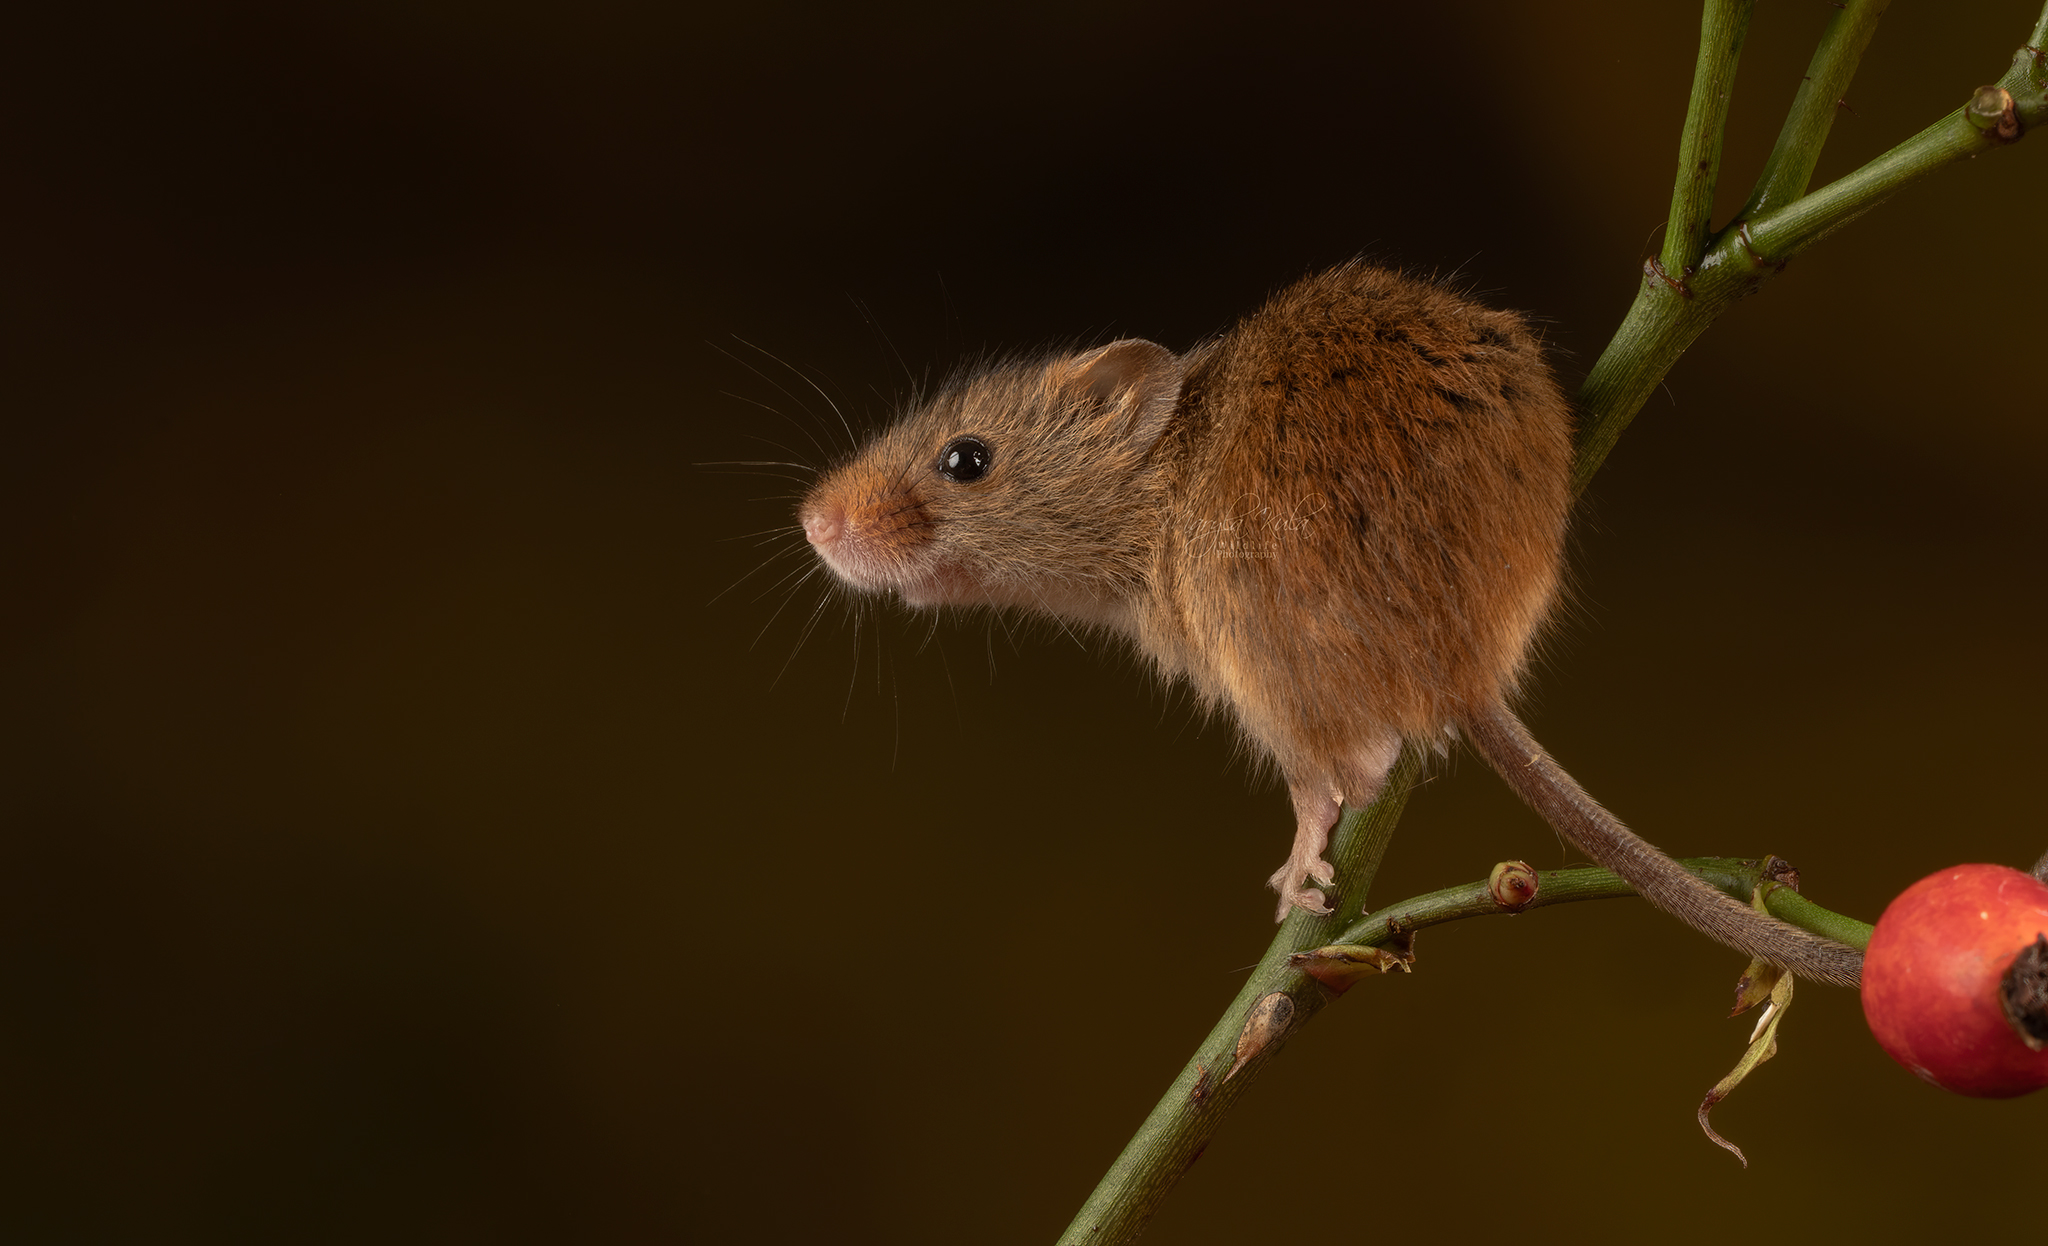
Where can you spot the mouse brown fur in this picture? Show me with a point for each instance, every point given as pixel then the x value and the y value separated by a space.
pixel 1342 521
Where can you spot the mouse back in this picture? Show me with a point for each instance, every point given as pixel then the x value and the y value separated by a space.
pixel 1371 482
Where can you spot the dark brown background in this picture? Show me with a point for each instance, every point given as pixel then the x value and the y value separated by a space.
pixel 411 837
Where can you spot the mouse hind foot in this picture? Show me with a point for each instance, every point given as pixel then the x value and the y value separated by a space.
pixel 1319 798
pixel 1315 813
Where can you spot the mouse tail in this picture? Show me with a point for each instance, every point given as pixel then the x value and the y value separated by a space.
pixel 1515 755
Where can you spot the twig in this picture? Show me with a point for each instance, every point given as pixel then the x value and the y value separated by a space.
pixel 1722 27
pixel 1734 875
pixel 1806 127
pixel 1188 1115
pixel 1670 310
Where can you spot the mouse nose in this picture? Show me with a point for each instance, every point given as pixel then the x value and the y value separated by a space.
pixel 824 524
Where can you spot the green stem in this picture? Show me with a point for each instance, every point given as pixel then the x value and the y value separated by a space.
pixel 1788 905
pixel 1734 875
pixel 1806 127
pixel 1660 325
pixel 1776 236
pixel 1722 27
pixel 1192 1109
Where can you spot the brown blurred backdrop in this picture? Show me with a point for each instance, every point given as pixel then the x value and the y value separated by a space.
pixel 412 835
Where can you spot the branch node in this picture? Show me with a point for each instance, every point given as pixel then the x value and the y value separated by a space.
pixel 1513 885
pixel 1756 260
pixel 1991 111
pixel 1777 869
pixel 1654 274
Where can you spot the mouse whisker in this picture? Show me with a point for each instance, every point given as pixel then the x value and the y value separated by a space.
pixel 817 611
pixel 808 569
pixel 874 323
pixel 782 531
pixel 802 467
pixel 793 579
pixel 851 439
pixel 823 452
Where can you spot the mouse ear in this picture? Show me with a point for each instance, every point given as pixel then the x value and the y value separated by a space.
pixel 1143 378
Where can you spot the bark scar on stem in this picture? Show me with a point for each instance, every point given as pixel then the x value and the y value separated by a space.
pixel 1267 1023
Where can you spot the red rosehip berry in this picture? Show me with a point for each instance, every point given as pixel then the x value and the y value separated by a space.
pixel 1934 974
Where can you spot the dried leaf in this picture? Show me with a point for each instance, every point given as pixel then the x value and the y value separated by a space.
pixel 1755 986
pixel 1763 1044
pixel 1340 965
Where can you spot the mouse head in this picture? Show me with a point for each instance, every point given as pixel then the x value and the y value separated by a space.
pixel 1026 484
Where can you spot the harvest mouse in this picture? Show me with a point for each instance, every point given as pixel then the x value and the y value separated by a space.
pixel 1342 521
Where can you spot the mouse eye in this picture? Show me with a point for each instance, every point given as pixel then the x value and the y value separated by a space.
pixel 966 460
